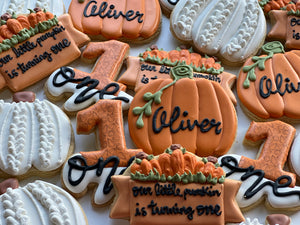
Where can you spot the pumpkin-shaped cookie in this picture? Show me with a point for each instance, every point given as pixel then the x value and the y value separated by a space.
pixel 232 30
pixel 131 19
pixel 268 85
pixel 197 114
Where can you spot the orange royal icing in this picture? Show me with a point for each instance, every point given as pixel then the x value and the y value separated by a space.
pixel 279 137
pixel 114 19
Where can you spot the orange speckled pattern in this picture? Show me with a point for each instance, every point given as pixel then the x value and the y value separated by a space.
pixel 106 116
pixel 98 17
pixel 106 69
pixel 279 137
pixel 201 99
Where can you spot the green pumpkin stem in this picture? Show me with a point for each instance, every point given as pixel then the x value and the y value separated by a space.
pixel 270 48
pixel 178 72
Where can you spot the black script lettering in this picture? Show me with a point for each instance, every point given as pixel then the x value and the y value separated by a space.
pixel 5 60
pixel 51 34
pixel 208 209
pixel 141 191
pixel 204 191
pixel 23 48
pixel 280 87
pixel 164 69
pixel 148 67
pixel 145 80
pixel 139 212
pixel 167 210
pixel 66 75
pixel 13 74
pixel 294 22
pixel 281 182
pixel 296 35
pixel 109 11
pixel 60 46
pixel 78 163
pixel 205 125
pixel 167 189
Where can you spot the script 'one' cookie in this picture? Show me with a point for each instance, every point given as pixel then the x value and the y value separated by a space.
pixel 232 30
pixel 175 188
pixel 21 6
pixel 196 113
pixel 36 137
pixel 132 20
pixel 39 203
pixel 268 85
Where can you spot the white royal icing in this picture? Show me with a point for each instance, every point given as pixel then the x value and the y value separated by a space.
pixel 168 4
pixel 33 134
pixel 72 87
pixel 22 6
pixel 294 155
pixel 267 192
pixel 40 203
pixel 232 29
pixel 90 177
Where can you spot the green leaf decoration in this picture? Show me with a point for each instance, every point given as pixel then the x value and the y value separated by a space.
pixel 178 72
pixel 270 48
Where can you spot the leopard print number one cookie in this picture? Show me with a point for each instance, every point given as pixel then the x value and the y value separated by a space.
pixel 85 168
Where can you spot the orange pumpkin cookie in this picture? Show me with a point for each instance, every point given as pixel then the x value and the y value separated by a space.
pixel 34 45
pixel 196 113
pixel 268 85
pixel 175 187
pixel 134 20
pixel 156 63
pixel 97 167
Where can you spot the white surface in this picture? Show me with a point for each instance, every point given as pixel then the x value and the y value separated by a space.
pixel 98 216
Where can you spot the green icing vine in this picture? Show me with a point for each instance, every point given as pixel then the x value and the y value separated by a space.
pixel 293 13
pixel 262 3
pixel 270 48
pixel 168 62
pixel 25 34
pixel 178 72
pixel 185 178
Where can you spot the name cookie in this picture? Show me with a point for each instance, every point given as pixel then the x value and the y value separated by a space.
pixel 133 20
pixel 196 113
pixel 35 45
pixel 268 85
pixel 232 30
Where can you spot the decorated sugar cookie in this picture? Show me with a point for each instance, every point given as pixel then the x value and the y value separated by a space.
pixel 88 88
pixel 196 113
pixel 286 27
pixel 36 137
pixel 269 5
pixel 156 63
pixel 97 167
pixel 132 20
pixel 38 203
pixel 21 6
pixel 35 45
pixel 268 85
pixel 264 178
pixel 233 30
pixel 167 6
pixel 175 187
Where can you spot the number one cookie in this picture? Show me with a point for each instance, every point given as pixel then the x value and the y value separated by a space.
pixel 279 137
pixel 106 115
pixel 107 67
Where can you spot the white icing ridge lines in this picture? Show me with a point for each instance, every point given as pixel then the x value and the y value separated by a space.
pixel 22 6
pixel 40 203
pixel 233 30
pixel 33 134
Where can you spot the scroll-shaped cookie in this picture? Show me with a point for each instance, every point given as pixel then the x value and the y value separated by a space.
pixel 175 187
pixel 35 45
pixel 156 64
